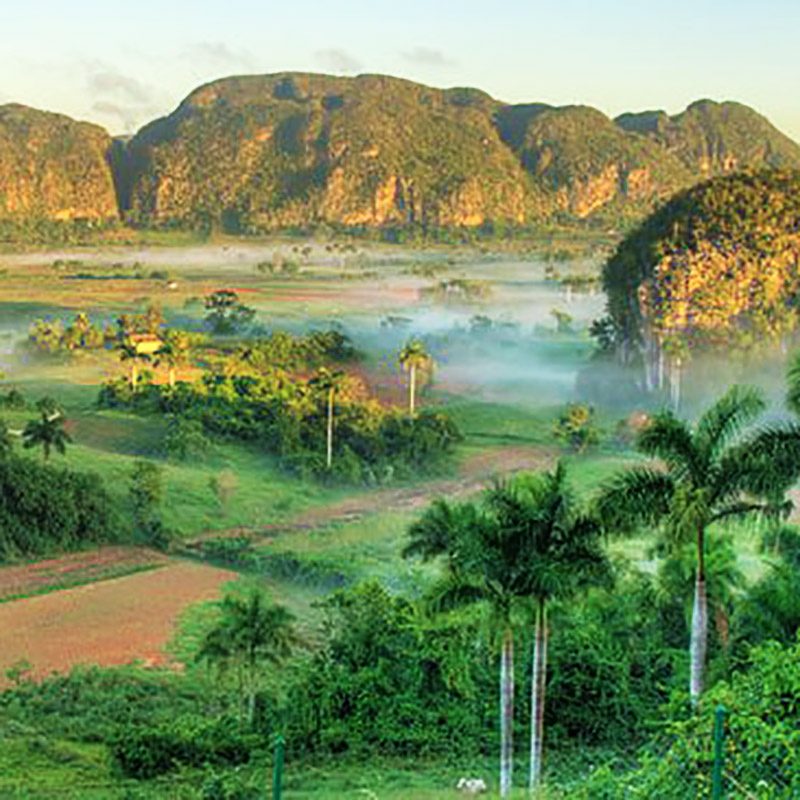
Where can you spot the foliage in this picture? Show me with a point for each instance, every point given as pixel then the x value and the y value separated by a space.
pixel 185 439
pixel 43 508
pixel 226 315
pixel 146 492
pixel 147 751
pixel 576 427
pixel 372 443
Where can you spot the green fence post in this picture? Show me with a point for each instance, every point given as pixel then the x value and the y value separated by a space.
pixel 277 770
pixel 719 754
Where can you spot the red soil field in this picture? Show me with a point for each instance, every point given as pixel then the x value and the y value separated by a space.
pixel 109 623
pixel 29 579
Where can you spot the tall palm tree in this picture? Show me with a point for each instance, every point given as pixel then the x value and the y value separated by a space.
pixel 525 543
pixel 722 467
pixel 48 431
pixel 562 553
pixel 328 381
pixel 250 631
pixel 412 357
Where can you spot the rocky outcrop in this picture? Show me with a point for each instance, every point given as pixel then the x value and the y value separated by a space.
pixel 265 152
pixel 713 138
pixel 53 167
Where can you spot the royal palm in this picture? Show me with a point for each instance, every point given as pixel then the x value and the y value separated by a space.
pixel 413 357
pixel 524 545
pixel 717 469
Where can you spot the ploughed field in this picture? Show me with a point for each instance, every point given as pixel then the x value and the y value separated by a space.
pixel 109 622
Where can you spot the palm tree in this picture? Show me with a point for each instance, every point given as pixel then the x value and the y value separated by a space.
pixel 48 432
pixel 412 357
pixel 525 543
pixel 328 381
pixel 251 630
pixel 562 554
pixel 129 352
pixel 716 470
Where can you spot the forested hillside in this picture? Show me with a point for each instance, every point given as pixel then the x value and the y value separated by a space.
pixel 307 151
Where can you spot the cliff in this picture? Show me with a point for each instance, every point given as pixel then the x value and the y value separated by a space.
pixel 53 167
pixel 263 152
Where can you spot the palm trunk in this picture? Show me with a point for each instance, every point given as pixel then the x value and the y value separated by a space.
pixel 506 712
pixel 412 389
pixel 134 375
pixel 538 686
pixel 171 377
pixel 330 429
pixel 699 624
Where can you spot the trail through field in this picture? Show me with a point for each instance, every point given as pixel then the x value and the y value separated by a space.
pixel 475 474
pixel 109 623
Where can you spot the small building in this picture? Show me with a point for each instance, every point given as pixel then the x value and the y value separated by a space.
pixel 145 343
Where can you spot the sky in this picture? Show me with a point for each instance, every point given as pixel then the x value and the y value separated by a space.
pixel 123 64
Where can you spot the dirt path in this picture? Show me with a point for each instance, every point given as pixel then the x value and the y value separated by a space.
pixel 475 474
pixel 109 623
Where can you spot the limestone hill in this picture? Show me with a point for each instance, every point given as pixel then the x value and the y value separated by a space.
pixel 297 150
pixel 53 167
pixel 717 264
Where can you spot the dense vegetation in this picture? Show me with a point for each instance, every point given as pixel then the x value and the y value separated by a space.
pixel 46 509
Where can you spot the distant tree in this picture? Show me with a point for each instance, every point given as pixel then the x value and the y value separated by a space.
pixel 413 357
pixel 6 440
pixel 226 314
pixel 48 432
pixel 250 631
pixel 146 491
pixel 128 351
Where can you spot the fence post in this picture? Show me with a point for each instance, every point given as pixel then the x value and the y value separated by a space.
pixel 719 752
pixel 277 770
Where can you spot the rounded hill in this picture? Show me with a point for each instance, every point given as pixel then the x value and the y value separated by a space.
pixel 717 264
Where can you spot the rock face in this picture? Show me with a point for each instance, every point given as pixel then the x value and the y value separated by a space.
pixel 290 149
pixel 53 167
pixel 716 138
pixel 717 265
pixel 586 163
pixel 265 152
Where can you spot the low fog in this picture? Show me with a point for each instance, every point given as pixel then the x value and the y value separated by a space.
pixel 524 341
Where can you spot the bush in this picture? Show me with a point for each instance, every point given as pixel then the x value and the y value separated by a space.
pixel 146 752
pixel 46 508
pixel 576 427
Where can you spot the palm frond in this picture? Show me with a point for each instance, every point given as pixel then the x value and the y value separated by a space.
pixel 639 496
pixel 670 439
pixel 766 464
pixel 726 419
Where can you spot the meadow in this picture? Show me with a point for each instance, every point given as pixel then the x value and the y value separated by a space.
pixel 508 337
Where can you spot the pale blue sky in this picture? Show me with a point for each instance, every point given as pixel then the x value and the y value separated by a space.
pixel 122 64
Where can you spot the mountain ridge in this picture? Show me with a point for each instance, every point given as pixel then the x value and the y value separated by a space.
pixel 255 153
